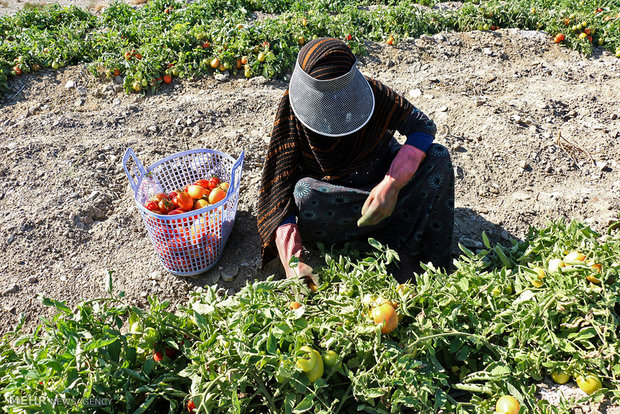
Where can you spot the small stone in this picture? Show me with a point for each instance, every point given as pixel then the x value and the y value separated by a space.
pixel 231 292
pixel 10 239
pixel 33 279
pixel 220 77
pixel 80 101
pixel 415 93
pixel 70 84
pixel 244 264
pixel 63 278
pixel 470 243
pixel 521 196
pixel 156 275
pixel 487 51
pixel 117 88
pixel 439 37
pixel 524 165
pixel 505 235
pixel 81 90
pixel 516 118
pixel 228 275
pixel 602 166
pixel 494 190
pixel 480 101
pixel 153 128
pixel 118 80
pixel 614 117
pixel 11 289
pixel 390 63
pixel 116 102
pixel 443 108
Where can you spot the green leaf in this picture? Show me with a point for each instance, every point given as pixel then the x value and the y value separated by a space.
pixel 306 404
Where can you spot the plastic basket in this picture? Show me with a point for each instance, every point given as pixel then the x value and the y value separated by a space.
pixel 190 243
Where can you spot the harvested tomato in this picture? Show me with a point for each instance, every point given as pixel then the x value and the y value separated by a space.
pixel 217 194
pixel 225 186
pixel 184 201
pixel 213 182
pixel 152 206
pixel 203 183
pixel 507 404
pixel 196 192
pixel 200 204
pixel 165 206
pixel 176 211
pixel 158 197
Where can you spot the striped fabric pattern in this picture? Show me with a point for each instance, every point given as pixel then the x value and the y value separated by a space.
pixel 295 152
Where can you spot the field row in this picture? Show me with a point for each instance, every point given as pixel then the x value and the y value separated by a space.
pixel 165 39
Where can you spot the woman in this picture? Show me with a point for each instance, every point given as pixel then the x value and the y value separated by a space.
pixel 334 171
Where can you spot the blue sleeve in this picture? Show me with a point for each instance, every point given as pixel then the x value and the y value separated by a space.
pixel 420 140
pixel 290 219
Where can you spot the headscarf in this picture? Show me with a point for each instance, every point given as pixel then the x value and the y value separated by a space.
pixel 295 151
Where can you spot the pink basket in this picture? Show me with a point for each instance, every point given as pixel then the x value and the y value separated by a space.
pixel 190 243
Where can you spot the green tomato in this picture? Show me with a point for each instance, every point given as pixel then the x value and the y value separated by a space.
pixel 55 65
pixel 331 358
pixel 496 291
pixel 150 336
pixel 589 382
pixel 560 377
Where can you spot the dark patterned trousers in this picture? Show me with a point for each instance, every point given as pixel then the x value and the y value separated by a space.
pixel 419 229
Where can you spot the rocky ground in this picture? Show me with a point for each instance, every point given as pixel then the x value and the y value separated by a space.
pixel 533 129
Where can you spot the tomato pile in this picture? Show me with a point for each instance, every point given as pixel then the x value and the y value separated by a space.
pixel 152 45
pixel 200 194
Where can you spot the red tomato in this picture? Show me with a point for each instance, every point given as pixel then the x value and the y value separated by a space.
pixel 349 37
pixel 203 183
pixel 172 195
pixel 560 37
pixel 214 182
pixel 138 56
pixel 196 192
pixel 165 206
pixel 117 72
pixel 158 197
pixel 158 355
pixel 170 352
pixel 128 55
pixel 191 407
pixel 167 79
pixel 152 206
pixel 176 211
pixel 184 201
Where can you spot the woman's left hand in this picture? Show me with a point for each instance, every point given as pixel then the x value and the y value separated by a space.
pixel 380 203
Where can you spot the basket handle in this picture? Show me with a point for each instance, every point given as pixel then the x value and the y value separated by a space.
pixel 238 165
pixel 141 171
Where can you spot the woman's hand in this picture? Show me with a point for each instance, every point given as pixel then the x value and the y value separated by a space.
pixel 380 203
pixel 382 199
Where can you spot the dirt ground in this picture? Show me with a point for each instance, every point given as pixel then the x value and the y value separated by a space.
pixel 533 129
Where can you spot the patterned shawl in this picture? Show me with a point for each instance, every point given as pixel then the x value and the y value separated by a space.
pixel 295 151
